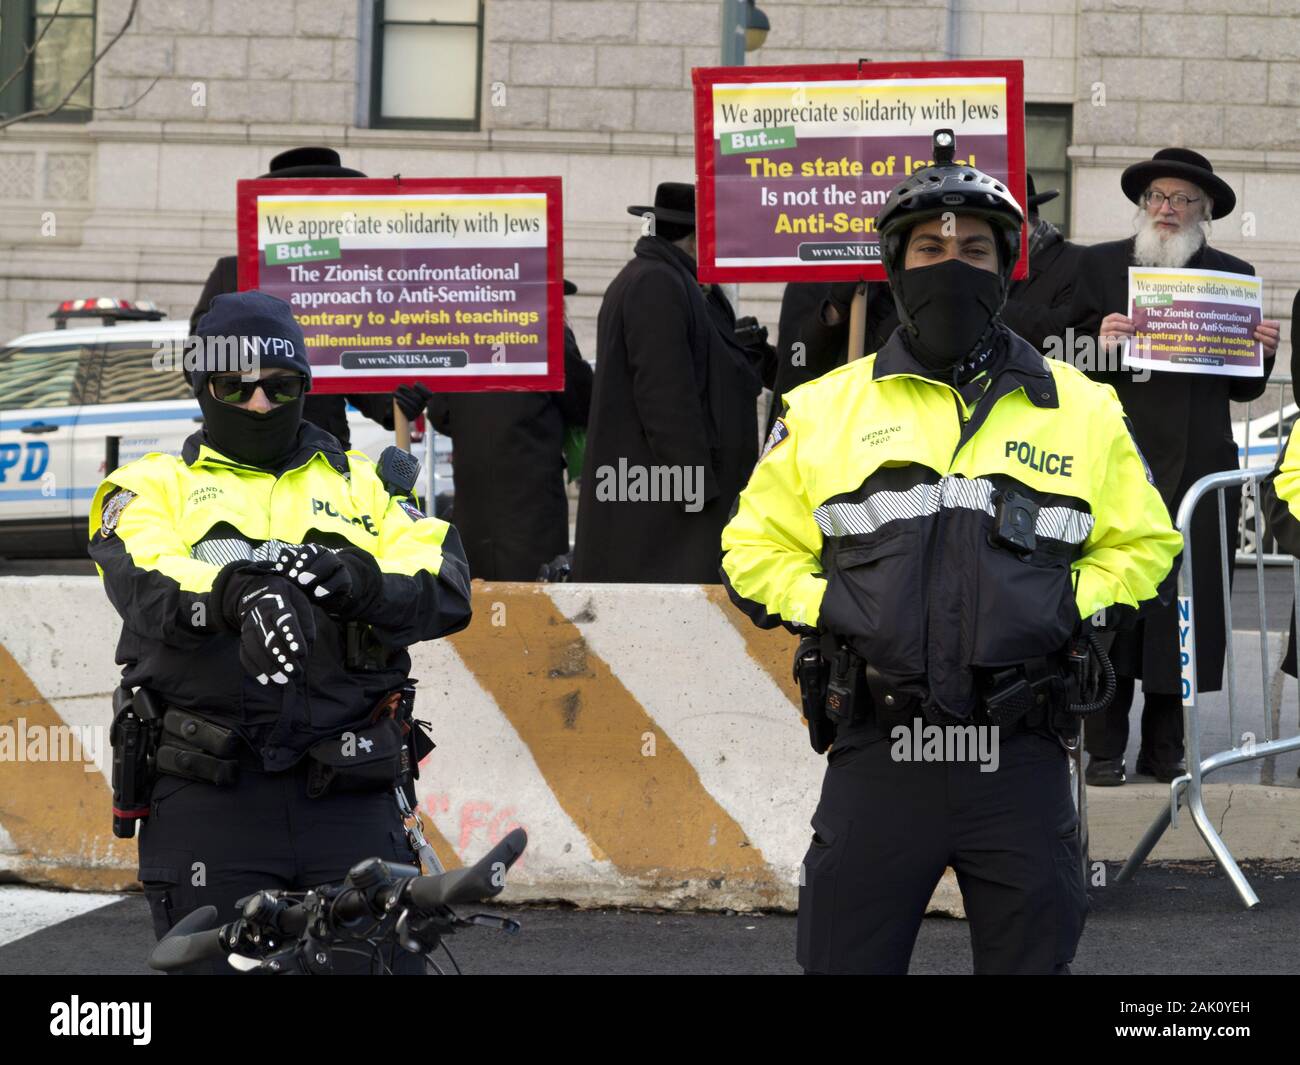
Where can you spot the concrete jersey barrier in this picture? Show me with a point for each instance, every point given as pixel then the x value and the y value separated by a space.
pixel 646 736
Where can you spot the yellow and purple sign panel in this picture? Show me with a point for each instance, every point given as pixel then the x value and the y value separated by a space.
pixel 454 283
pixel 1195 321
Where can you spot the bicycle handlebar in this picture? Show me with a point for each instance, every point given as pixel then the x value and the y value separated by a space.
pixel 195 939
pixel 481 881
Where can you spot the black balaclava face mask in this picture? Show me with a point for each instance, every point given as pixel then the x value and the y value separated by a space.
pixel 952 304
pixel 248 437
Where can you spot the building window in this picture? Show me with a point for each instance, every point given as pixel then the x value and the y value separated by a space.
pixel 1047 140
pixel 427 64
pixel 60 35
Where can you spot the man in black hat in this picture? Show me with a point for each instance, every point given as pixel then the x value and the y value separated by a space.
pixel 329 412
pixel 674 422
pixel 1038 305
pixel 1183 425
pixel 509 460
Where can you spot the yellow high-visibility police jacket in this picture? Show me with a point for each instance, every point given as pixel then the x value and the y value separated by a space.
pixel 871 512
pixel 162 529
pixel 1279 497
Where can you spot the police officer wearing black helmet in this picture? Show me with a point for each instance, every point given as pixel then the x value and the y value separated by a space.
pixel 269 585
pixel 937 520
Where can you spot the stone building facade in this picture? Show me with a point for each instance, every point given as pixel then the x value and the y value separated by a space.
pixel 598 92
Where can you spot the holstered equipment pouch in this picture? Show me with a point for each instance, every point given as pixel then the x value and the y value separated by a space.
pixel 845 694
pixel 198 749
pixel 811 672
pixel 399 705
pixel 180 761
pixel 195 731
pixel 1026 694
pixel 134 739
pixel 374 758
pixel 891 704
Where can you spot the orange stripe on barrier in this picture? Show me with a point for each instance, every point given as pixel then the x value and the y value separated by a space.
pixel 773 649
pixel 56 812
pixel 647 813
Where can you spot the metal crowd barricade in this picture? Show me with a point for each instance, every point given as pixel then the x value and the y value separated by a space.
pixel 1188 786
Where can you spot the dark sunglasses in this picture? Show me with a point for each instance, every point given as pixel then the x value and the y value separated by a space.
pixel 231 388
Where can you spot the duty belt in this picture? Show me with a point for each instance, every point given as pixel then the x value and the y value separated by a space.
pixel 1029 696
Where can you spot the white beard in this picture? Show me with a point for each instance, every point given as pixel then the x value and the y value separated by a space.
pixel 1152 248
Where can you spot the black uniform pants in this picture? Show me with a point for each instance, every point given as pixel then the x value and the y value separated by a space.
pixel 885 830
pixel 1105 735
pixel 203 845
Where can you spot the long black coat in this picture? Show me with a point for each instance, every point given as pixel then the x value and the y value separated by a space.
pixel 1183 426
pixel 327 412
pixel 1038 307
pixel 508 460
pixel 1295 347
pixel 671 390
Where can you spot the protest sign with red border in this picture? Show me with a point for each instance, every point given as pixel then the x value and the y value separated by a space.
pixel 831 141
pixel 453 282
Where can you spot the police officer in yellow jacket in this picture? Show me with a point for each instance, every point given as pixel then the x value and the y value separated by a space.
pixel 944 514
pixel 269 584
pixel 1279 499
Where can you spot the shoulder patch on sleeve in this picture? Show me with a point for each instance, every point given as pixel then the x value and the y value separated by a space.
pixel 113 507
pixel 412 511
pixel 779 432
pixel 1137 447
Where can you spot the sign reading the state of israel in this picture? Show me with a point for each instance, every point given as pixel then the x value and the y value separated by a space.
pixel 793 163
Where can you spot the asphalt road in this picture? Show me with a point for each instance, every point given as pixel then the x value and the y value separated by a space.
pixel 1178 918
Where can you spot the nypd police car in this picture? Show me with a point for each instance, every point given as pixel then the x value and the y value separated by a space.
pixel 65 394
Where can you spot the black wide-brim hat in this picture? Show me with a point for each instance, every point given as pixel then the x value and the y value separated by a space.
pixel 310 162
pixel 1179 163
pixel 674 202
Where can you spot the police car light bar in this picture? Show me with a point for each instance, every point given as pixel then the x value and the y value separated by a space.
pixel 110 311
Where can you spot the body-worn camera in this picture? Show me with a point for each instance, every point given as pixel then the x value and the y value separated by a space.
pixel 1014 517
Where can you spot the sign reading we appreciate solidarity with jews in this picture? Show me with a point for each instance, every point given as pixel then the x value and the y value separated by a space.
pixel 456 283
pixel 793 163
pixel 1195 321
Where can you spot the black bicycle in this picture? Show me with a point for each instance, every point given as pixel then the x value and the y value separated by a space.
pixel 379 906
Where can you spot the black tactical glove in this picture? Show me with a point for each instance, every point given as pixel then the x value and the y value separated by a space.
pixel 749 334
pixel 344 582
pixel 273 620
pixel 412 399
pixel 841 296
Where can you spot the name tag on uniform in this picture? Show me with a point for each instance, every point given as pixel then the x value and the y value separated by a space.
pixel 881 435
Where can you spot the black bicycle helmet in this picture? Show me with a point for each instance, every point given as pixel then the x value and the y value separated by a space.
pixel 948 186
